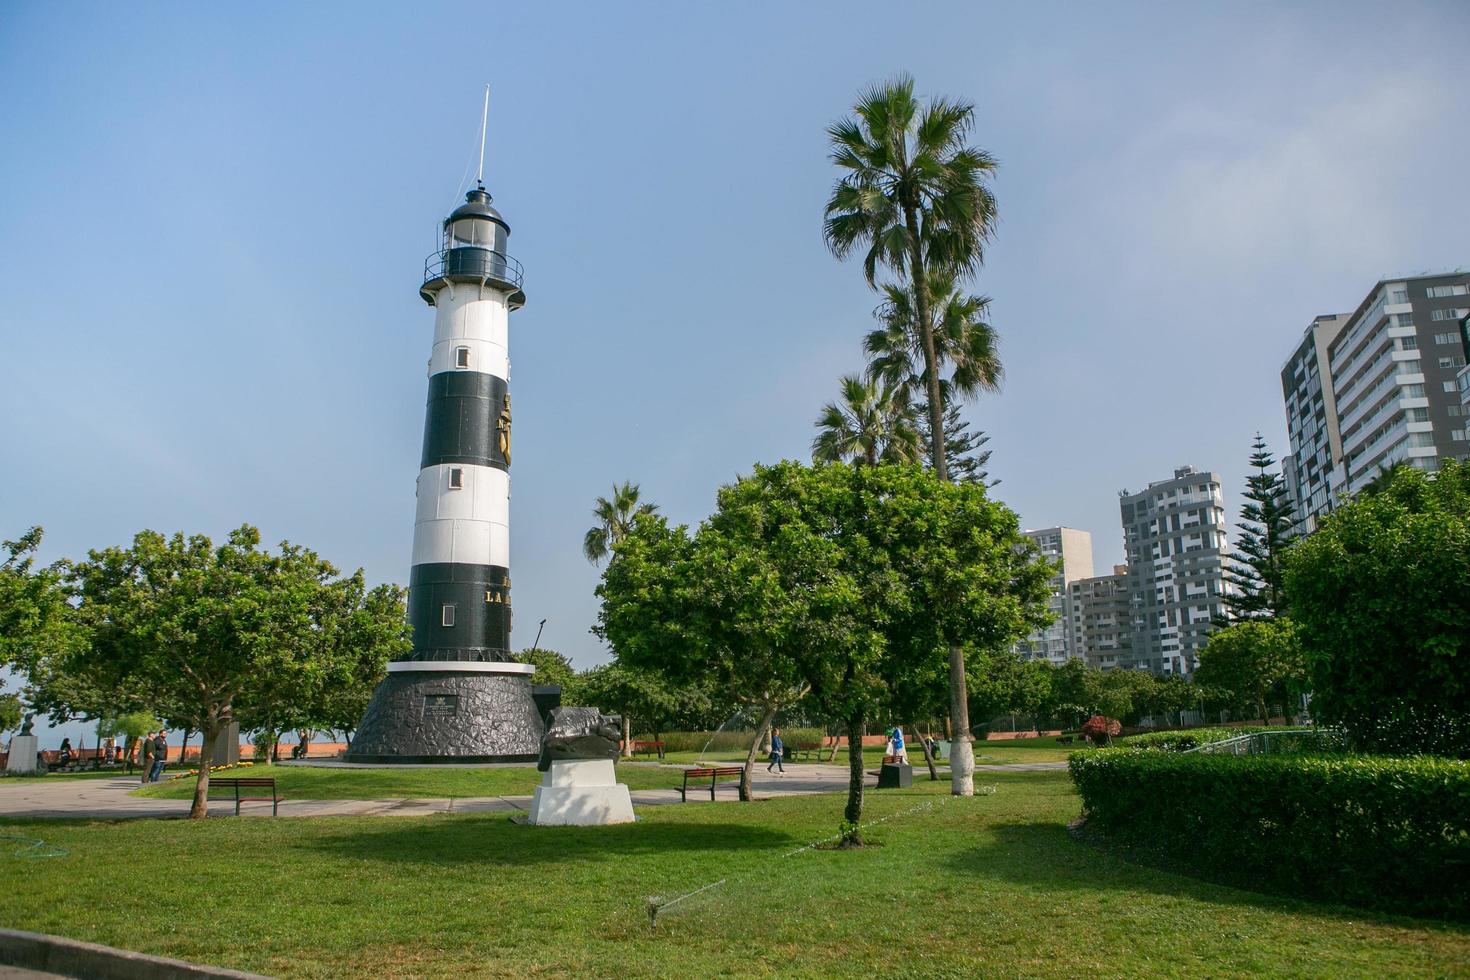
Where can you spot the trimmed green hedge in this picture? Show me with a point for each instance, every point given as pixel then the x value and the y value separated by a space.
pixel 1385 833
pixel 1180 741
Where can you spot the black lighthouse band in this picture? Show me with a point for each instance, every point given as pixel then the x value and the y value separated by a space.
pixel 479 624
pixel 467 420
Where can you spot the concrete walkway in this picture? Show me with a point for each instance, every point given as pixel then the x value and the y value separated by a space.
pixel 108 799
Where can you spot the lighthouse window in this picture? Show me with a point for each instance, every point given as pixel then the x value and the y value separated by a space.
pixel 456 478
pixel 448 618
pixel 461 357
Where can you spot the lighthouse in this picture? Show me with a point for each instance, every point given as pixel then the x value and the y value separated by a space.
pixel 458 696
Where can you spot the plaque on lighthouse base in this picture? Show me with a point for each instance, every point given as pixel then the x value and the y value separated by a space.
pixel 581 793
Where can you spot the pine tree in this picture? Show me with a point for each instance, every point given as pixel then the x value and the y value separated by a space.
pixel 965 459
pixel 1266 528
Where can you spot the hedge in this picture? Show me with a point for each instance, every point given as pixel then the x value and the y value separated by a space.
pixel 1185 739
pixel 1385 833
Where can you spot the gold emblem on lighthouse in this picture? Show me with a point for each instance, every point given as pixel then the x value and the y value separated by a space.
pixel 502 429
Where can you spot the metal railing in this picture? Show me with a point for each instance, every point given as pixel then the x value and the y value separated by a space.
pixel 472 262
pixel 1284 741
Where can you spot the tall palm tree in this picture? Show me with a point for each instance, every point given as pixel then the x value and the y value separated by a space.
pixel 614 520
pixel 918 198
pixel 965 344
pixel 871 422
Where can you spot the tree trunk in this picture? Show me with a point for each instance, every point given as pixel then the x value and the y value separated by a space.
pixel 928 756
pixel 920 283
pixel 852 816
pixel 961 754
pixel 213 725
pixel 627 736
pixel 760 736
pixel 836 744
pixel 1265 712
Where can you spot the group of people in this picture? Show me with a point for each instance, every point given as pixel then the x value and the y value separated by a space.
pixel 155 754
pixel 896 749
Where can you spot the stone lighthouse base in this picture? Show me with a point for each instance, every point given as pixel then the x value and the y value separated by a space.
pixel 441 711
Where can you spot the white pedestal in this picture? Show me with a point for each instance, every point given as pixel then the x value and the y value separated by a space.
pixel 581 793
pixel 22 754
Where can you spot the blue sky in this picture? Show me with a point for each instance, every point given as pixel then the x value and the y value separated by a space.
pixel 213 222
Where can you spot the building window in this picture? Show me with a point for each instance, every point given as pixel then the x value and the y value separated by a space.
pixel 447 615
pixel 1452 362
pixel 1458 435
pixel 1418 415
pixel 461 357
pixel 1446 338
pixel 1439 292
pixel 1399 295
pixel 1413 391
pixel 1447 314
pixel 456 478
pixel 1403 320
pixel 1408 343
pixel 1449 386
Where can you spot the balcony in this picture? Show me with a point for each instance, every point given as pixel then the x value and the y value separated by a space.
pixel 483 266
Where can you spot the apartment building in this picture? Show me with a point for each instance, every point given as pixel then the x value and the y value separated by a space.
pixel 1464 376
pixel 1072 550
pixel 1388 383
pixel 1174 537
pixel 1100 619
pixel 1309 465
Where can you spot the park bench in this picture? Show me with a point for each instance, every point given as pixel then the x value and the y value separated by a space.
pixel 714 774
pixel 253 782
pixel 647 747
pixel 811 750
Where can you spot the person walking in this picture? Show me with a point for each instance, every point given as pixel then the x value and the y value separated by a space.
pixel 160 755
pixel 147 753
pixel 778 752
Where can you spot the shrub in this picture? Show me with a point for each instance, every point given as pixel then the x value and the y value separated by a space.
pixel 1380 832
pixel 1101 729
pixel 1181 741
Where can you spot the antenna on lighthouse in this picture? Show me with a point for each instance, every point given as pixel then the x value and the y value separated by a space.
pixel 484 116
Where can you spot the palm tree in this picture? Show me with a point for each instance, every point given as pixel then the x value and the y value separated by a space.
pixel 965 344
pixel 871 422
pixel 918 198
pixel 614 520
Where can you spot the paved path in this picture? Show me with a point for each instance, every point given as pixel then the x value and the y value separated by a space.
pixel 108 799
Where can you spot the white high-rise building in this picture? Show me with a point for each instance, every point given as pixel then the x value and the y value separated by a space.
pixel 1376 387
pixel 1174 535
pixel 1072 550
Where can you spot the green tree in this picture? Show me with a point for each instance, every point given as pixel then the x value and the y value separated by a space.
pixel 552 670
pixel 966 347
pixel 323 676
pixel 1381 593
pixel 872 422
pixel 38 631
pixel 917 198
pixel 637 695
pixel 197 627
pixel 707 610
pixel 615 517
pixel 11 712
pixel 1075 692
pixel 1257 660
pixel 967 461
pixel 1266 528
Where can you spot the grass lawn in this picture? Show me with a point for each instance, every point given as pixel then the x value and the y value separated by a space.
pixel 983 886
pixel 56 777
pixel 307 783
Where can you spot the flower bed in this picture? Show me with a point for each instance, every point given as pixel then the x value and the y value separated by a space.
pixel 1380 832
pixel 194 772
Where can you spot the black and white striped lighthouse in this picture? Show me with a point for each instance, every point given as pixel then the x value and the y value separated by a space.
pixel 458 696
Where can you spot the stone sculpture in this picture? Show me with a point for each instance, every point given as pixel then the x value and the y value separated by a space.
pixel 579 733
